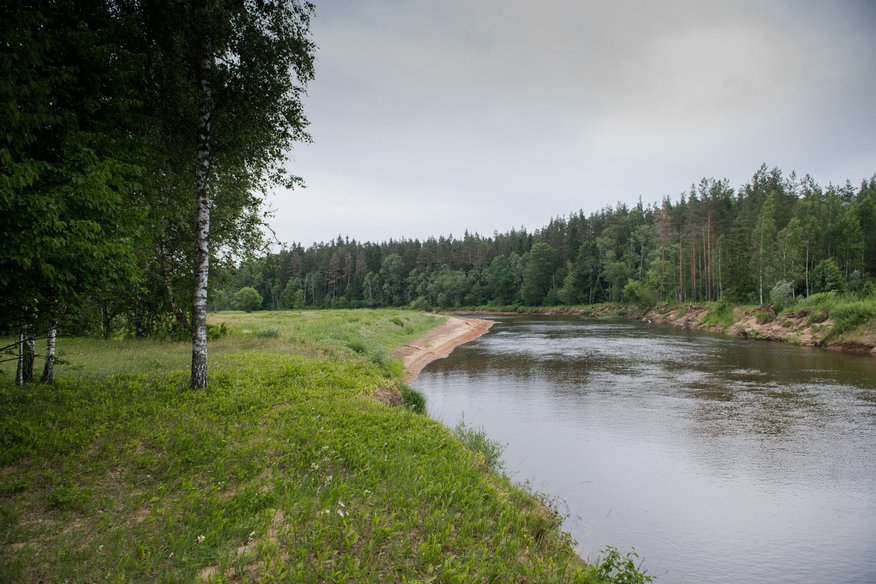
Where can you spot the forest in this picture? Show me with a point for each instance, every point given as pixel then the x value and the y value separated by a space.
pixel 774 234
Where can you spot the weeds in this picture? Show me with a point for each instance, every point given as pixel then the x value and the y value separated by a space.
pixel 720 314
pixel 413 399
pixel 620 569
pixel 476 440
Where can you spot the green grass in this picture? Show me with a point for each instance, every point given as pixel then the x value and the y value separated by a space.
pixel 848 311
pixel 720 314
pixel 284 469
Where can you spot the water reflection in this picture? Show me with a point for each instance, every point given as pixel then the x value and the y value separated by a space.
pixel 719 459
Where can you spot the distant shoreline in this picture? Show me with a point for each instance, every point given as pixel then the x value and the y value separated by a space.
pixel 757 323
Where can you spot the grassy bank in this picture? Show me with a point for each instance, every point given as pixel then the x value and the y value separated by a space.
pixel 286 468
pixel 831 320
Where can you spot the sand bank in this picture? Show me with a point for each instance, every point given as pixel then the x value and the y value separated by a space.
pixel 439 343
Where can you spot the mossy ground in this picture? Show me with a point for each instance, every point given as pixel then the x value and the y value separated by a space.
pixel 284 469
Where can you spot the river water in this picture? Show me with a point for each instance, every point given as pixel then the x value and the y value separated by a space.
pixel 718 459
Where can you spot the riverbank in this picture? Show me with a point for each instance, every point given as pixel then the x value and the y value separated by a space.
pixel 820 321
pixel 285 469
pixel 805 327
pixel 439 343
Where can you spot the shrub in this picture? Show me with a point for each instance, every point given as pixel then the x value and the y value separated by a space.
pixel 764 316
pixel 217 332
pixel 621 569
pixel 827 277
pixel 721 314
pixel 637 293
pixel 420 303
pixel 413 399
pixel 477 441
pixel 782 295
pixel 247 299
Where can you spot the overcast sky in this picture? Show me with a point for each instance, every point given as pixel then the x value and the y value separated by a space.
pixel 430 117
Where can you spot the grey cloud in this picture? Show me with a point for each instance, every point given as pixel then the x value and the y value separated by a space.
pixel 510 112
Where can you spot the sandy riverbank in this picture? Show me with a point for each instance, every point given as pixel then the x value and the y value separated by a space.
pixel 439 343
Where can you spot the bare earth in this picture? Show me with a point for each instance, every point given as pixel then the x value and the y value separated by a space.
pixel 439 343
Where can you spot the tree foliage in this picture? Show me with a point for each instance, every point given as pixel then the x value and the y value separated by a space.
pixel 247 299
pixel 137 142
pixel 714 242
pixel 70 178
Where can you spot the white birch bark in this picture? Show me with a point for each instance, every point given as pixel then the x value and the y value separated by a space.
pixel 19 371
pixel 202 264
pixel 49 368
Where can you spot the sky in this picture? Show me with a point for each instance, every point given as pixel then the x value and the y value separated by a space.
pixel 433 117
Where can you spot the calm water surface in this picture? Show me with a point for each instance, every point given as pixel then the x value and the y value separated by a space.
pixel 718 459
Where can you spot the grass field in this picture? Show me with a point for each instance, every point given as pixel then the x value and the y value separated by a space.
pixel 284 469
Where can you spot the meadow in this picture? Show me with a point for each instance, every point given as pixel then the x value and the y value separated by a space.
pixel 285 469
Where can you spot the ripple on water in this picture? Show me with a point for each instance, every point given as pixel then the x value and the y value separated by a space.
pixel 719 459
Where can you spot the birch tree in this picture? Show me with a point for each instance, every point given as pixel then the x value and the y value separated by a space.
pixel 764 241
pixel 226 80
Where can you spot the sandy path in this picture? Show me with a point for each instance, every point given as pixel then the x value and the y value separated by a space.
pixel 439 343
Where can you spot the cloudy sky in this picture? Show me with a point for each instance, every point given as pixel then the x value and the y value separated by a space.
pixel 430 117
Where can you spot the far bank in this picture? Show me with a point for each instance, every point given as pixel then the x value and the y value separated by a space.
pixel 823 320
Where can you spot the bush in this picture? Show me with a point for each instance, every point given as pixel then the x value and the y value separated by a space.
pixel 477 441
pixel 217 332
pixel 247 299
pixel 637 293
pixel 782 295
pixel 420 303
pixel 827 277
pixel 721 314
pixel 614 567
pixel 764 316
pixel 413 399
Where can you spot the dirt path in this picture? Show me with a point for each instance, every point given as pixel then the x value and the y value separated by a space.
pixel 439 343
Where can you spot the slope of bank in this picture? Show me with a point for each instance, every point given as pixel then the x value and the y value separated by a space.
pixel 285 469
pixel 822 320
pixel 814 327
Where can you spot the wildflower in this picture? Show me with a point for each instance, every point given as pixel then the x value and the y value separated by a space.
pixel 201 539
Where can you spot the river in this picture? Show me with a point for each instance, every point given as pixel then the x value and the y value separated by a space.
pixel 718 459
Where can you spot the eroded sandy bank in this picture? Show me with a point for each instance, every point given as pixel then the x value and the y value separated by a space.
pixel 439 343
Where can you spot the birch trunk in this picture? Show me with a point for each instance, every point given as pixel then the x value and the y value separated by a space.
pixel 202 264
pixel 29 354
pixel 26 352
pixel 19 371
pixel 49 368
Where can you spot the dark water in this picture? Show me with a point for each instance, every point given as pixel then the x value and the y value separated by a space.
pixel 718 459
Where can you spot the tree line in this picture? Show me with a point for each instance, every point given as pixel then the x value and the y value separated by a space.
pixel 713 242
pixel 136 141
